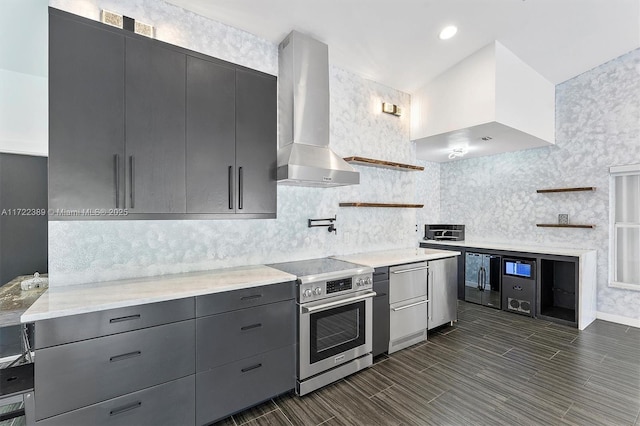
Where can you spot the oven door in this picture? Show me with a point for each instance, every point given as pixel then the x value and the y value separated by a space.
pixel 334 331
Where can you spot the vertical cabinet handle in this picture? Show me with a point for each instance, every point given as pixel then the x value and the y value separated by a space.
pixel 116 170
pixel 240 184
pixel 230 187
pixel 132 193
pixel 429 291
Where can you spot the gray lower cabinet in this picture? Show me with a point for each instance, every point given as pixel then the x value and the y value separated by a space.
pixel 170 404
pixel 75 375
pixel 246 351
pixel 180 362
pixel 233 387
pixel 243 332
pixel 443 292
pixel 381 311
pixel 58 331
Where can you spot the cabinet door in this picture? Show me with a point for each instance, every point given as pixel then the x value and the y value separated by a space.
pixel 380 317
pixel 211 137
pixel 155 128
pixel 256 142
pixel 86 116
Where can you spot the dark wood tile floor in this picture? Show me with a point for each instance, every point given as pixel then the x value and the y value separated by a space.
pixel 491 368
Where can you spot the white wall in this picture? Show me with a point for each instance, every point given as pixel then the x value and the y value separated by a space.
pixel 597 126
pixel 23 77
pixel 95 251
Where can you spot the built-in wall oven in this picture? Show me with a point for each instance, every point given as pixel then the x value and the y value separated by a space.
pixel 335 301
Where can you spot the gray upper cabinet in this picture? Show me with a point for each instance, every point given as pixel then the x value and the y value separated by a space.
pixel 211 137
pixel 256 142
pixel 155 128
pixel 86 116
pixel 161 131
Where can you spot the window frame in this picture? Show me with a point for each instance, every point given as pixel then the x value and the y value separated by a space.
pixel 614 172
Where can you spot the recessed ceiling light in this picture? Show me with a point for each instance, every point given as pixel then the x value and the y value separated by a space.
pixel 448 32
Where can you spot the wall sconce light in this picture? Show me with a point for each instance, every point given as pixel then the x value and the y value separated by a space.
pixel 391 109
pixel 126 23
pixel 458 152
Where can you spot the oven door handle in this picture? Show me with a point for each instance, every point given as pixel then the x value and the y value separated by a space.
pixel 311 309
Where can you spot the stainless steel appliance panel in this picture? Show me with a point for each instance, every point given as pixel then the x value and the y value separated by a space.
pixel 74 328
pixel 79 374
pixel 408 317
pixel 443 292
pixel 407 281
pixel 224 338
pixel 170 404
pixel 334 331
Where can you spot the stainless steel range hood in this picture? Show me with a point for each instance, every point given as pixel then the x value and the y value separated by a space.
pixel 304 157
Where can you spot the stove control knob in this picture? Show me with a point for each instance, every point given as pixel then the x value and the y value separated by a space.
pixel 359 282
pixel 307 293
pixel 368 281
pixel 317 291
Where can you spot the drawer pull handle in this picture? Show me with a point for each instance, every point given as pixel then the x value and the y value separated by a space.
pixel 253 367
pixel 122 319
pixel 250 327
pixel 125 356
pixel 125 408
pixel 253 296
pixel 404 271
pixel 422 302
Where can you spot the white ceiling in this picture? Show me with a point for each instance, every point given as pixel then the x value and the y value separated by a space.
pixel 395 42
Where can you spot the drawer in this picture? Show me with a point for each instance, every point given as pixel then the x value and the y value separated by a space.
pixel 78 374
pixel 73 328
pixel 169 404
pixel 245 298
pixel 407 281
pixel 233 387
pixel 408 317
pixel 231 336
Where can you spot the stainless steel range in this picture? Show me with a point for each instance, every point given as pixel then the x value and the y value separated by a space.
pixel 335 300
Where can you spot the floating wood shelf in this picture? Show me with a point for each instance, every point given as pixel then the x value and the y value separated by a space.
pixel 406 206
pixel 556 225
pixel 584 188
pixel 382 163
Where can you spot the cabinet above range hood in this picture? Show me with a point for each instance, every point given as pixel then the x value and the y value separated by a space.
pixel 490 102
pixel 304 157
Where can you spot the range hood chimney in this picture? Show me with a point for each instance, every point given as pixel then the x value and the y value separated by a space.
pixel 304 157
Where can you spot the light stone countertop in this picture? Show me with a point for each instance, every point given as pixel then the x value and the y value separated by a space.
pixel 84 298
pixel 376 259
pixel 558 251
